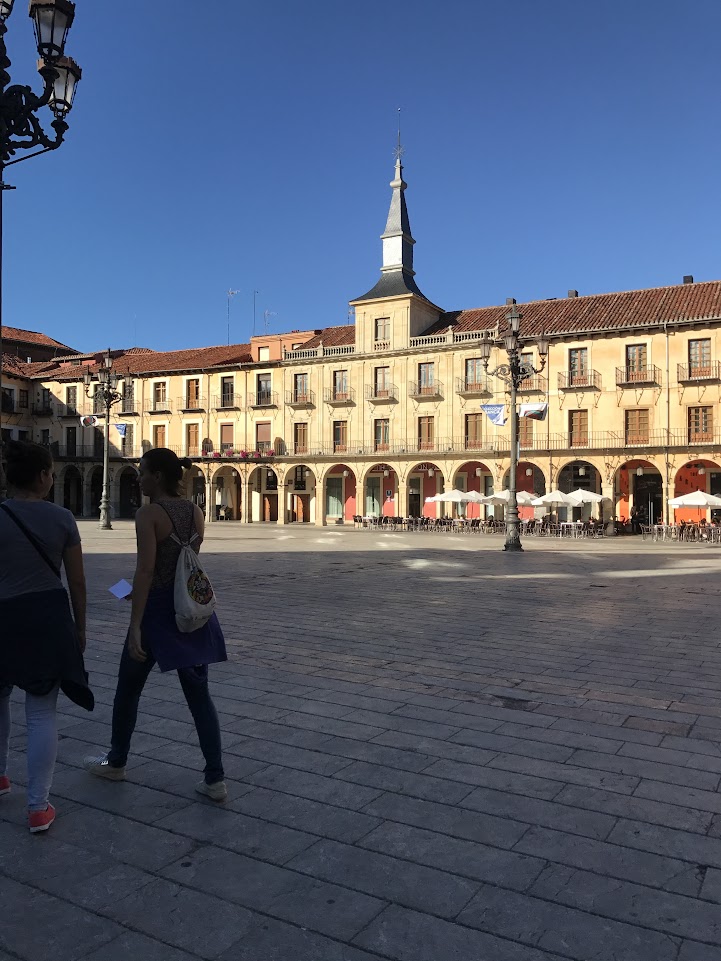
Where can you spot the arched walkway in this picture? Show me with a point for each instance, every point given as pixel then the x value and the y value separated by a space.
pixel 263 494
pixel 380 492
pixel 94 491
pixel 73 490
pixel 340 498
pixel 424 480
pixel 639 488
pixel 579 475
pixel 227 488
pixel 195 486
pixel 300 495
pixel 696 475
pixel 129 499
pixel 529 478
pixel 473 476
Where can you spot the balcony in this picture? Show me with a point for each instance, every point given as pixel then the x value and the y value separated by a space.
pixel 300 399
pixel 473 388
pixel 42 408
pixel 129 407
pixel 420 391
pixel 263 399
pixel 227 401
pixel 638 376
pixel 588 380
pixel 158 405
pixel 339 398
pixel 188 404
pixel 381 395
pixel 533 385
pixel 706 438
pixel 485 445
pixel 696 373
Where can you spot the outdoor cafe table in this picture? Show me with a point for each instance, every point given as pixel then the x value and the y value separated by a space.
pixel 571 529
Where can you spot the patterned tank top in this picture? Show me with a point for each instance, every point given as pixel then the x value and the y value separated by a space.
pixel 182 514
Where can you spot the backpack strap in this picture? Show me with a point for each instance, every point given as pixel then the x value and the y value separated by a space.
pixel 176 535
pixel 33 540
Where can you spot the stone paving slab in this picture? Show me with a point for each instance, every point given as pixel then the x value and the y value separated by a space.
pixel 434 752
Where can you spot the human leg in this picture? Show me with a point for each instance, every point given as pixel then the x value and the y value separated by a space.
pixel 42 723
pixel 194 681
pixel 5 725
pixel 132 676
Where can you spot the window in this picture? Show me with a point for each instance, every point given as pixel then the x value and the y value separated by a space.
pixel 340 385
pixel 426 377
pixel 636 361
pixel 71 440
pixel 334 496
pixel 300 389
pixel 525 432
pixel 98 442
pixel 264 394
pixel 192 394
pixel 699 357
pixel 45 437
pixel 262 435
pixel 299 478
pixel 474 431
pixel 23 401
pixel 381 433
pixel 159 435
pixel 98 402
pixel 426 436
pixel 226 436
pixel 71 400
pixel 381 381
pixel 382 329
pixel 578 428
pixel 128 405
pixel 159 396
pixel 126 442
pixel 340 436
pixel 474 374
pixel 636 425
pixel 8 400
pixel 527 358
pixel 263 354
pixel 700 424
pixel 578 366
pixel 192 434
pixel 295 346
pixel 300 438
pixel 25 435
pixel 227 389
pixel 44 399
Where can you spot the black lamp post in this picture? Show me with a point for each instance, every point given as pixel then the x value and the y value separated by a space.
pixel 107 394
pixel 20 128
pixel 513 373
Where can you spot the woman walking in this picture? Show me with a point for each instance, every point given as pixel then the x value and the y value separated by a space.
pixel 41 649
pixel 153 635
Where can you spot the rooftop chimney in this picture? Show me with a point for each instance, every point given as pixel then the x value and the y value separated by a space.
pixel 573 293
pixel 688 278
pixel 510 301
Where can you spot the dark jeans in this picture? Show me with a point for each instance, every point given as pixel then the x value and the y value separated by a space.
pixel 132 676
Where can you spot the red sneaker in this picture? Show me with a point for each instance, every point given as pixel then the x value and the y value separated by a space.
pixel 4 784
pixel 41 820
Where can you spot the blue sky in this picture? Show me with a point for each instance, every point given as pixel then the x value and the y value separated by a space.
pixel 549 144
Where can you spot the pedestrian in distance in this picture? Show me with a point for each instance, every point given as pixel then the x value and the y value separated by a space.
pixel 42 643
pixel 153 636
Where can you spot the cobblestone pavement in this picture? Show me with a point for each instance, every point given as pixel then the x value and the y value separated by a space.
pixel 435 752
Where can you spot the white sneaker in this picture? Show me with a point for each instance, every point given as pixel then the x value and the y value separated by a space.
pixel 101 767
pixel 216 792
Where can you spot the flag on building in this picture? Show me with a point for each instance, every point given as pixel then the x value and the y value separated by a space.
pixel 89 420
pixel 496 413
pixel 121 429
pixel 534 411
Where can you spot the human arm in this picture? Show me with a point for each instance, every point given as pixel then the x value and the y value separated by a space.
pixel 199 521
pixel 144 568
pixel 75 573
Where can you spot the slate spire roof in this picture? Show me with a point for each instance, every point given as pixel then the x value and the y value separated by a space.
pixel 397 273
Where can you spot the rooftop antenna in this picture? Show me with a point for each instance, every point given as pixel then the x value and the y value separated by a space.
pixel 398 152
pixel 267 314
pixel 255 294
pixel 231 294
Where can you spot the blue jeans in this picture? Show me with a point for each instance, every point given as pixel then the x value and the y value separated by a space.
pixel 42 748
pixel 132 676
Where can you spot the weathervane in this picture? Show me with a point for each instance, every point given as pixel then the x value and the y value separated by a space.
pixel 398 151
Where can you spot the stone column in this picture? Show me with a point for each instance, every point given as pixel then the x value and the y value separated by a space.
pixel 320 520
pixel 402 498
pixel 282 503
pixel 608 506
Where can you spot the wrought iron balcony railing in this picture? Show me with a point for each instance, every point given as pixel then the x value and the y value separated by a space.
pixel 587 380
pixel 300 399
pixel 387 394
pixel 533 385
pixel 187 404
pixel 638 376
pixel 339 396
pixel 421 391
pixel 473 387
pixel 263 398
pixel 228 401
pixel 693 373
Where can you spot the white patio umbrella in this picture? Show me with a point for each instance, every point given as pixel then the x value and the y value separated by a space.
pixel 474 497
pixel 451 497
pixel 695 499
pixel 523 498
pixel 555 499
pixel 586 497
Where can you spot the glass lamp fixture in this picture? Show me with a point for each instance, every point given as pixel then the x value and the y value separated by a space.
pixel 51 19
pixel 6 8
pixel 542 344
pixel 514 321
pixel 431 472
pixel 581 471
pixel 345 473
pixel 639 472
pixel 510 342
pixel 478 472
pixel 386 473
pixel 485 349
pixel 63 92
pixel 529 472
pixel 702 471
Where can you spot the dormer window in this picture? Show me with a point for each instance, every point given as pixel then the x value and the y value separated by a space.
pixel 382 331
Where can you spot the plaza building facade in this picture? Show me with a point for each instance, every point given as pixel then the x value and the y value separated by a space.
pixel 376 416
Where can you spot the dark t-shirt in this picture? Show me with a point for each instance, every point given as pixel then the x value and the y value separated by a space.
pixel 22 569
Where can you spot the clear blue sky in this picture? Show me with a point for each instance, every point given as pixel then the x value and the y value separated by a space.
pixel 549 144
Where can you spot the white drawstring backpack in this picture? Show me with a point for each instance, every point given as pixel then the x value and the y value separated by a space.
pixel 193 594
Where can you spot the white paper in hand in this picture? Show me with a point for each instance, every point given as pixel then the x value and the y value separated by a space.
pixel 121 589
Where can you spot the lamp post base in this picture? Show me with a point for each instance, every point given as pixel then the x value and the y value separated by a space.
pixel 513 546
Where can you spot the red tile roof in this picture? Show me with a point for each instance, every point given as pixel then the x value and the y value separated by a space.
pixel 331 337
pixel 11 365
pixel 628 309
pixel 21 336
pixel 155 361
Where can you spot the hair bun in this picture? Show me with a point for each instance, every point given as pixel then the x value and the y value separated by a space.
pixel 186 463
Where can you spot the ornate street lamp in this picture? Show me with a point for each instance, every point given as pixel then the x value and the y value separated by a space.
pixel 20 128
pixel 106 391
pixel 513 373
